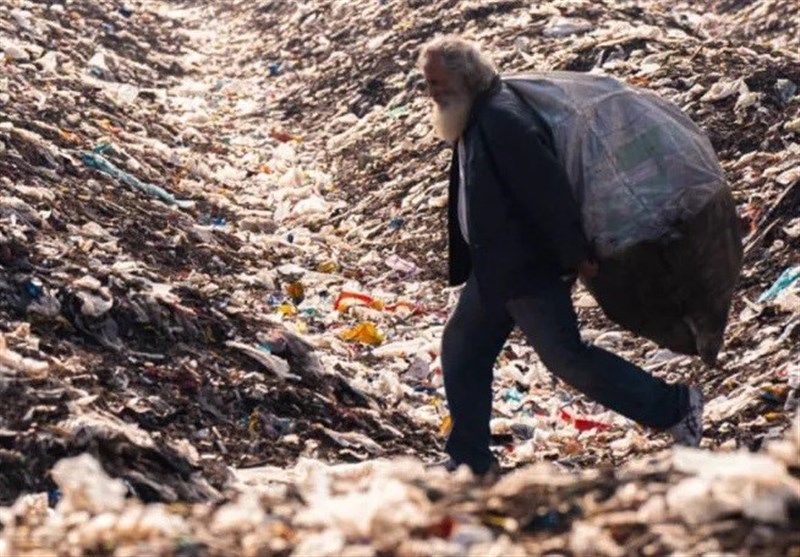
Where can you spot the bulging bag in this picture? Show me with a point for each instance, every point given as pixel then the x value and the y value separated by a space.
pixel 654 203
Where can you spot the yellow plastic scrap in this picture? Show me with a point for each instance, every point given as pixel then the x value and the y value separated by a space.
pixel 287 309
pixel 365 333
pixel 254 423
pixel 298 327
pixel 328 267
pixel 506 523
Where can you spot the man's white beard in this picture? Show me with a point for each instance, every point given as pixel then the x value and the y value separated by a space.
pixel 450 117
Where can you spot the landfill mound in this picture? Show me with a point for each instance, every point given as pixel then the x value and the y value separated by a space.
pixel 221 274
pixel 143 305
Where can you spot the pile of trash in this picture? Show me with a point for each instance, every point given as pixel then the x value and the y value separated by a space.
pixel 221 287
pixel 690 501
pixel 144 282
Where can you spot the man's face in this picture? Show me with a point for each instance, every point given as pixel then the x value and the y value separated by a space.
pixel 441 83
pixel 451 101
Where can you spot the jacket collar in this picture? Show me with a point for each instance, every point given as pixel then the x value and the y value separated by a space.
pixel 482 99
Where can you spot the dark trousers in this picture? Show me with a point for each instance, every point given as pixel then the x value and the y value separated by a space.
pixel 475 334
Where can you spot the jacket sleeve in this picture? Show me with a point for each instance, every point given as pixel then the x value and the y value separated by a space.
pixel 534 178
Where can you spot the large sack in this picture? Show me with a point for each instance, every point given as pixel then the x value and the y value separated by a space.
pixel 654 203
pixel 677 291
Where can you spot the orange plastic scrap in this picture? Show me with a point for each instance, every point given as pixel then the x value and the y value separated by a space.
pixel 69 136
pixel 365 333
pixel 296 291
pixel 446 425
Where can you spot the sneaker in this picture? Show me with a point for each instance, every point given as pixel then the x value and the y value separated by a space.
pixel 689 430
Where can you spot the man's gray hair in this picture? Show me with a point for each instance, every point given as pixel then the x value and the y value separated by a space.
pixel 464 59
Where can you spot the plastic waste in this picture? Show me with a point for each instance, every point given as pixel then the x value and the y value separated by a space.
pixel 783 282
pixel 564 27
pixel 786 89
pixel 737 482
pixel 270 362
pixel 365 333
pixel 16 53
pixel 49 62
pixel 96 160
pixel 582 424
pixel 341 302
pixel 85 486
pixel 12 363
pixel 399 264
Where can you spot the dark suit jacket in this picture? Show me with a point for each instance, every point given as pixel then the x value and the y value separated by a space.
pixel 523 222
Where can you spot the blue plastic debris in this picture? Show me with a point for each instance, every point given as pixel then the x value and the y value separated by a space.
pixel 275 69
pixel 53 497
pixel 513 395
pixel 787 278
pixel 266 347
pixel 34 288
pixel 427 389
pixel 99 162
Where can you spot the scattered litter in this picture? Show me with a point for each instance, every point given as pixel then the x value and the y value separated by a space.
pixel 223 299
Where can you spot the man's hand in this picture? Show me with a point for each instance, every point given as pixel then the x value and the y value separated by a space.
pixel 588 269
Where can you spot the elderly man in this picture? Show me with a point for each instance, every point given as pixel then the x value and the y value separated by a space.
pixel 515 238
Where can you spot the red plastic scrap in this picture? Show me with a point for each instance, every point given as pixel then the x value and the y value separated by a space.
pixel 442 529
pixel 372 302
pixel 583 424
pixel 281 136
pixel 344 295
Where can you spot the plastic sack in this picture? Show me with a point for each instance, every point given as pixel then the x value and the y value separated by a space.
pixel 654 204
pixel 638 166
pixel 677 292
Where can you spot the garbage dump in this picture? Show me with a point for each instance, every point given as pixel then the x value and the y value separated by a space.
pixel 222 287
